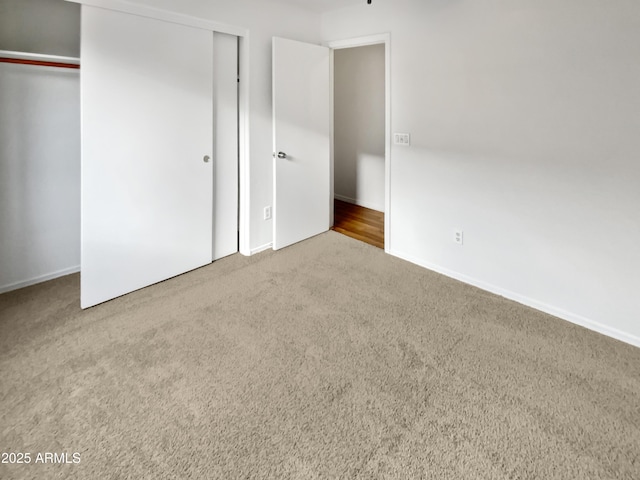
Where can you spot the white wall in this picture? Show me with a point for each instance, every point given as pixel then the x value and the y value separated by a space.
pixel 39 174
pixel 359 116
pixel 40 26
pixel 263 20
pixel 39 145
pixel 524 118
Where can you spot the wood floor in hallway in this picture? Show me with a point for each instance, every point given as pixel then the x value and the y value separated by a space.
pixel 359 222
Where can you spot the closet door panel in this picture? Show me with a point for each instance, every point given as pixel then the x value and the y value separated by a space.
pixel 225 182
pixel 147 144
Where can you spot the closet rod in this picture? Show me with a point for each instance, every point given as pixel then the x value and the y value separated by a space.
pixel 39 59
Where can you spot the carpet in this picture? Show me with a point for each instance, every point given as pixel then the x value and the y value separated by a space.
pixel 325 360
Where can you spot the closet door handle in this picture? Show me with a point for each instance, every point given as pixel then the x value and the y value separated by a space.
pixel 206 158
pixel 282 155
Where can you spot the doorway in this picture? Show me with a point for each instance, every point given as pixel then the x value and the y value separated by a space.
pixel 360 153
pixel 361 223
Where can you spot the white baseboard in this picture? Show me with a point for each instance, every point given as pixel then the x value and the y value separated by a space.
pixel 262 248
pixel 39 279
pixel 529 302
pixel 372 206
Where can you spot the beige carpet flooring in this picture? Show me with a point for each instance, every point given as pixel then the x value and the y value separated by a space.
pixel 326 360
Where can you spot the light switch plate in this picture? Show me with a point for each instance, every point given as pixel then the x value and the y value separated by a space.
pixel 403 139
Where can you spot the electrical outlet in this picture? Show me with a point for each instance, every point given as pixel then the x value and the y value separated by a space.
pixel 458 237
pixel 267 213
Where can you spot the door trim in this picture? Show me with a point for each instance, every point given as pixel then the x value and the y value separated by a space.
pixel 382 38
pixel 166 15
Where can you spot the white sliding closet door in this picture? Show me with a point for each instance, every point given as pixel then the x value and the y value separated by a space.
pixel 225 181
pixel 147 129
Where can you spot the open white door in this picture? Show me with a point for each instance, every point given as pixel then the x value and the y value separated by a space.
pixel 147 139
pixel 301 124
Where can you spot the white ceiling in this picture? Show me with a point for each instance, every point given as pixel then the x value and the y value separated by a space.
pixel 325 5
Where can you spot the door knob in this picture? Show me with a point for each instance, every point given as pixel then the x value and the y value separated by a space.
pixel 206 159
pixel 282 155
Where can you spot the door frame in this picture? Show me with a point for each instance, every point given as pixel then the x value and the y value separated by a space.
pixel 244 211
pixel 377 39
